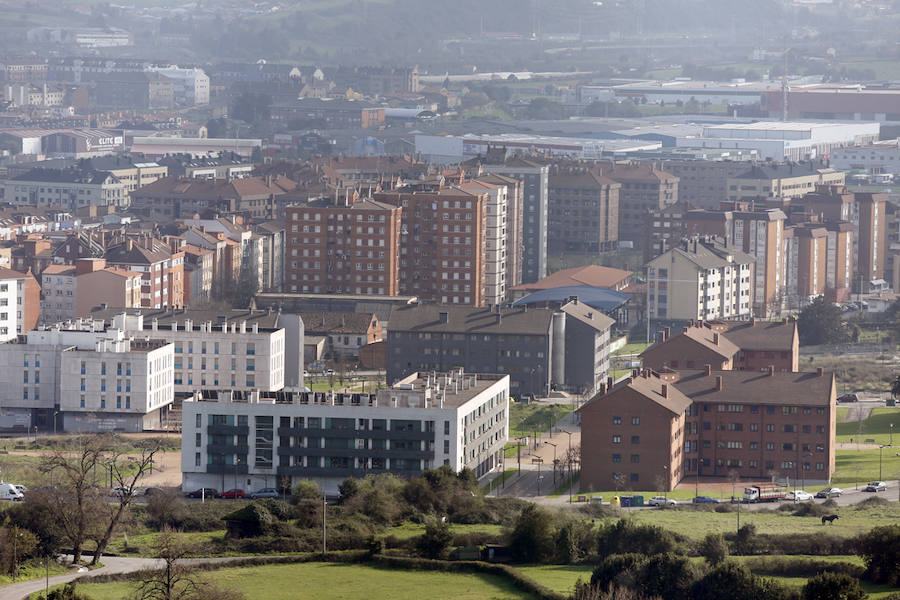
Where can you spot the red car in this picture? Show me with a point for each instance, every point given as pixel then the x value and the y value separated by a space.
pixel 235 493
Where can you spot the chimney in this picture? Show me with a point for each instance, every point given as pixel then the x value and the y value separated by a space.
pixel 443 317
pixel 716 339
pixel 707 370
pixel 719 384
pixel 820 371
pixel 771 369
pixel 665 390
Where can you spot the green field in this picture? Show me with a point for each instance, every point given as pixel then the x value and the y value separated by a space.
pixel 875 591
pixel 411 530
pixel 696 524
pixel 852 466
pixel 559 578
pixel 32 570
pixel 528 418
pixel 340 581
pixel 142 544
pixel 877 427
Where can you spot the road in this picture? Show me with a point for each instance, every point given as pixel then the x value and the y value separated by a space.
pixel 112 565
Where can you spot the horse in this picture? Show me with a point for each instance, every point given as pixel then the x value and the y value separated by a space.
pixel 829 518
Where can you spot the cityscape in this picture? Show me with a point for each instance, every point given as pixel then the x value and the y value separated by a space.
pixel 540 299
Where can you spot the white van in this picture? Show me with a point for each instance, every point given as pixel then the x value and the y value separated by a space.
pixel 9 492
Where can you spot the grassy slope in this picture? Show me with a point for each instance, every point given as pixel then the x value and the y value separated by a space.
pixel 696 524
pixel 341 581
pixel 876 427
pixel 852 467
pixel 525 419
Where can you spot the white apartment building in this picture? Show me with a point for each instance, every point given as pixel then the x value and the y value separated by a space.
pixel 252 440
pixel 69 189
pixel 191 85
pixel 19 303
pixel 701 279
pixel 880 158
pixel 83 376
pixel 59 294
pixel 495 240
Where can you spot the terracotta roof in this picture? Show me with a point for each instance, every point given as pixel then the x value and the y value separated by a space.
pixel 119 272
pixel 336 322
pixel 649 386
pixel 754 387
pixel 704 337
pixel 138 254
pixel 58 270
pixel 580 180
pixel 588 315
pixel 10 274
pixel 638 173
pixel 593 275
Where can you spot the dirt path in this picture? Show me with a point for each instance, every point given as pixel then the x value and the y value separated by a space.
pixel 166 467
pixel 858 412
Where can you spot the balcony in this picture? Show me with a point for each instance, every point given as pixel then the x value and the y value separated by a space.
pixel 228 429
pixel 227 469
pixel 227 449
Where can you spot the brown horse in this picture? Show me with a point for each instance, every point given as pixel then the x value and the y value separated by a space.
pixel 830 519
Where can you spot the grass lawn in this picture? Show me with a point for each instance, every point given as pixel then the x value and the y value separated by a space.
pixel 559 578
pixel 697 523
pixel 875 591
pixel 32 570
pixel 877 426
pixel 410 530
pixel 145 542
pixel 340 581
pixel 496 482
pixel 527 418
pixel 631 348
pixel 852 466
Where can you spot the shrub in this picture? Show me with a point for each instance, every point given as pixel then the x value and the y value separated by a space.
pixel 880 549
pixel 668 576
pixel 617 570
pixel 731 581
pixel 810 509
pixel 532 537
pixel 626 536
pixel 872 502
pixel 833 586
pixel 713 548
pixel 305 490
pixel 745 537
pixel 787 566
pixel 573 542
pixel 435 542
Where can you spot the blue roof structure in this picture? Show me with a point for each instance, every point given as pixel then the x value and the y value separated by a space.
pixel 603 299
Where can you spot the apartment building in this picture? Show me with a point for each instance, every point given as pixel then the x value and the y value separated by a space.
pixel 515 247
pixel 496 244
pixel 190 85
pixel 242 350
pixel 84 376
pixel 704 278
pixel 69 292
pixel 162 271
pixel 786 180
pixel 20 302
pixel 172 198
pixel 343 247
pixel 254 440
pixel 534 346
pixel 760 233
pixel 443 252
pixel 535 180
pixel 583 210
pixel 645 190
pixel 704 183
pixel 662 428
pixel 727 345
pixel 198 273
pixel 346 333
pixel 67 189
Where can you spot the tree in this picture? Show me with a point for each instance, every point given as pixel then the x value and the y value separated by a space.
pixel 833 586
pixel 732 581
pixel 668 576
pixel 532 538
pixel 126 471
pixel 617 570
pixel 76 501
pixel 821 322
pixel 435 542
pixel 895 387
pixel 713 548
pixel 174 581
pixel 880 549
pixel 16 545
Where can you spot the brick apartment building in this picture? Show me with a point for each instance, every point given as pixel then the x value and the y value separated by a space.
pixel 583 210
pixel 344 247
pixel 704 183
pixel 662 428
pixel 645 190
pixel 162 271
pixel 727 345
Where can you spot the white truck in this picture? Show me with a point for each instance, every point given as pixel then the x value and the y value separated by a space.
pixel 9 492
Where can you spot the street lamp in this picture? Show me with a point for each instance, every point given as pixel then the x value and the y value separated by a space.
pixel 569 463
pixel 891 443
pixel 880 449
pixel 554 460
pixel 56 412
pixel 666 482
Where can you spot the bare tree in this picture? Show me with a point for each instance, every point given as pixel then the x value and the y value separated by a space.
pixel 125 470
pixel 75 502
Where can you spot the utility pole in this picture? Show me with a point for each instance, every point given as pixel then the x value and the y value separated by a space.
pixel 324 530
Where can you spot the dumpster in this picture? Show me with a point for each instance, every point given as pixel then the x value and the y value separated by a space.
pixel 616 501
pixel 627 501
pixel 638 501
pixel 582 498
pixel 597 500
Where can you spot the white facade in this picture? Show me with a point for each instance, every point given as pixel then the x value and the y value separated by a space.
pixel 59 295
pixel 69 195
pixel 217 355
pixel 876 159
pixel 95 378
pixel 191 85
pixel 11 298
pixel 252 441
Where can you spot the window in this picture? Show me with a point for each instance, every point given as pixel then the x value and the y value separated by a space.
pixel 635 420
pixel 617 458
pixel 198 438
pixel 635 439
pixel 635 458
pixel 617 439
pixel 634 477
pixel 617 420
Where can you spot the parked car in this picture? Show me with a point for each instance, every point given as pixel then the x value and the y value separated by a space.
pixel 848 398
pixel 118 492
pixel 876 486
pixel 264 493
pixel 233 493
pixel 705 500
pixel 660 501
pixel 831 492
pixel 9 492
pixel 798 496
pixel 152 490
pixel 203 492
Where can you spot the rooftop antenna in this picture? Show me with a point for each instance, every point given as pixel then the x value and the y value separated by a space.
pixel 784 84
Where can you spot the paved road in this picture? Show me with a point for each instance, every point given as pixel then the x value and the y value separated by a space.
pixel 112 565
